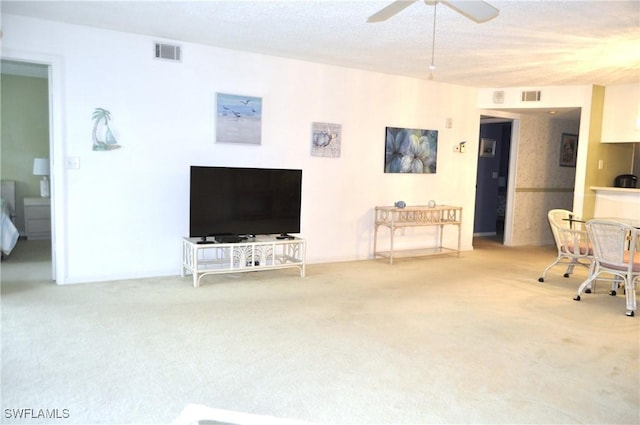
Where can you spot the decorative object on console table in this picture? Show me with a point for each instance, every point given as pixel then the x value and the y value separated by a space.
pixel 260 253
pixel 410 150
pixel 238 119
pixel 397 218
pixel 568 150
pixel 37 218
pixel 41 168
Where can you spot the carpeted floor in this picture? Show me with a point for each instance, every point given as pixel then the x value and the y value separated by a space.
pixel 474 339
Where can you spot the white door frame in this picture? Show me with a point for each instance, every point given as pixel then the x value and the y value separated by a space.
pixel 513 162
pixel 56 154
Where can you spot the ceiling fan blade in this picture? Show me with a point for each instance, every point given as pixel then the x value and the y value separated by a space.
pixel 476 10
pixel 390 10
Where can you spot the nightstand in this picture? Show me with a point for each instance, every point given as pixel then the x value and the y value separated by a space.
pixel 37 218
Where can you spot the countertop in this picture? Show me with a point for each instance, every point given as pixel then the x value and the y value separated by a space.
pixel 616 189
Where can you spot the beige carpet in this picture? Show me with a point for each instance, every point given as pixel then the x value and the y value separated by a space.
pixel 474 339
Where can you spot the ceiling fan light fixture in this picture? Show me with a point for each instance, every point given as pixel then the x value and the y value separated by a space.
pixel 476 10
pixel 432 67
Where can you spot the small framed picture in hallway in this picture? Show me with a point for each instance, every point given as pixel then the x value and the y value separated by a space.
pixel 487 147
pixel 568 150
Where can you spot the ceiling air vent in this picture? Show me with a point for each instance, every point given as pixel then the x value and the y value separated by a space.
pixel 531 96
pixel 170 52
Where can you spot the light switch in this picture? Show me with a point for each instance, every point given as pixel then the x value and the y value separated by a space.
pixel 72 162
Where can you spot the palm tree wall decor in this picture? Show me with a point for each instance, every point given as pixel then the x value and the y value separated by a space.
pixel 101 118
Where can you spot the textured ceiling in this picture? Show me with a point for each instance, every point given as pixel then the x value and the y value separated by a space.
pixel 530 44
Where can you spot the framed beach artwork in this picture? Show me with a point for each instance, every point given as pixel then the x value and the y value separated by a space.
pixel 409 150
pixel 102 135
pixel 238 119
pixel 568 150
pixel 326 139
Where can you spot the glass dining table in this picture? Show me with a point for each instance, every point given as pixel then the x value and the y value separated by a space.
pixel 633 222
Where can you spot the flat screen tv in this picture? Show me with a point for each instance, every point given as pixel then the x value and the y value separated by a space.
pixel 232 202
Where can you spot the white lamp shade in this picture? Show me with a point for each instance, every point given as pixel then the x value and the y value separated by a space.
pixel 40 166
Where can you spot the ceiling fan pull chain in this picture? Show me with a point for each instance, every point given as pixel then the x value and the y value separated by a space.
pixel 432 67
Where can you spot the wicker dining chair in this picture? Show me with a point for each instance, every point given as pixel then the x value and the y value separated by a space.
pixel 571 241
pixel 616 249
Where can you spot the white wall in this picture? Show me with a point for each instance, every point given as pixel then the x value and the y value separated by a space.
pixel 122 214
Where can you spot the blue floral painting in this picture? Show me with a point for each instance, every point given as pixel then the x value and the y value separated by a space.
pixel 410 150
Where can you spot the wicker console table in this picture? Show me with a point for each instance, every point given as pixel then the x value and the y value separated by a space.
pixel 416 216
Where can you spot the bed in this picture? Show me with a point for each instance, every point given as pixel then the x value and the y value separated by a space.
pixel 8 232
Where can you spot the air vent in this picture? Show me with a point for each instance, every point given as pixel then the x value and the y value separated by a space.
pixel 498 97
pixel 170 52
pixel 531 96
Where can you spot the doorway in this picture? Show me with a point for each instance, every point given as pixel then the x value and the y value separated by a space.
pixel 492 178
pixel 544 184
pixel 26 136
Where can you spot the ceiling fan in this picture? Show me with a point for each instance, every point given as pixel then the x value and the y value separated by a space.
pixel 476 10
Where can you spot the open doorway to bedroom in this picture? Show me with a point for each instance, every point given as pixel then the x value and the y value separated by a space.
pixel 25 157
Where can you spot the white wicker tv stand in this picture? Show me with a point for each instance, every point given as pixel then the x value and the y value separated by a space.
pixel 397 218
pixel 259 253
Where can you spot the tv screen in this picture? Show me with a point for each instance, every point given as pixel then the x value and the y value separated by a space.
pixel 244 201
